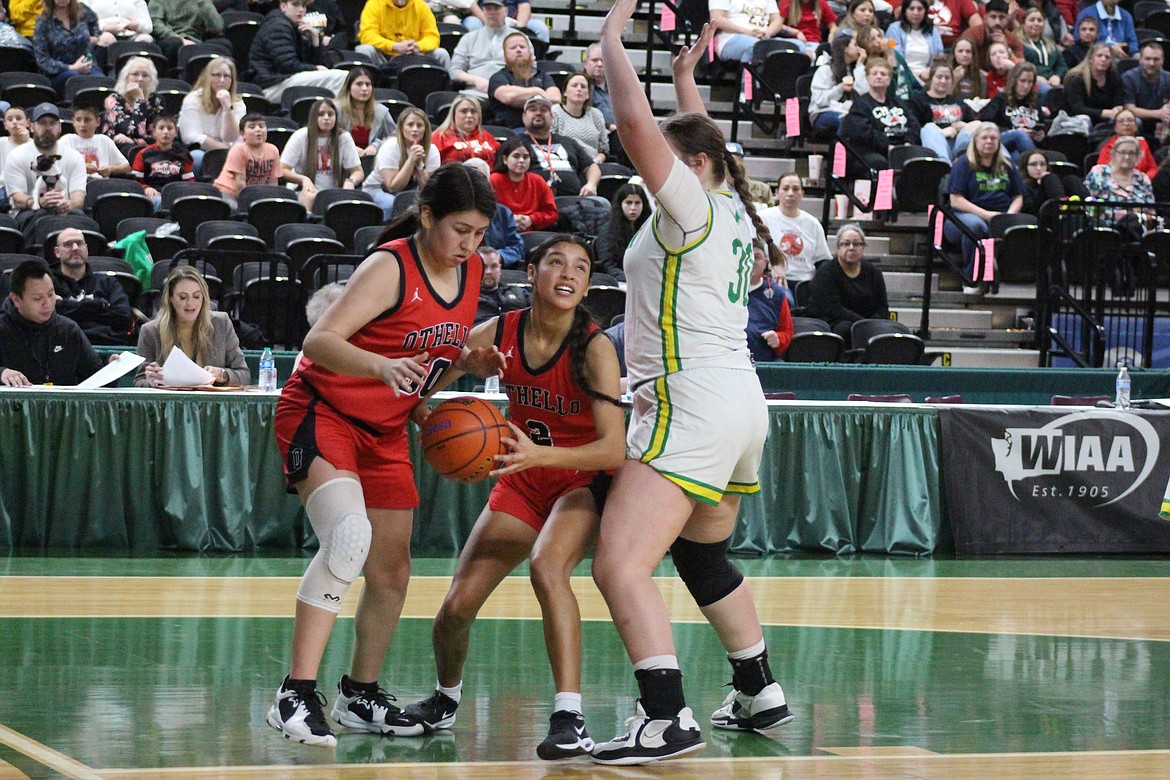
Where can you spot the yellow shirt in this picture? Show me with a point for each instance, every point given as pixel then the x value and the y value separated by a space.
pixel 384 24
pixel 23 15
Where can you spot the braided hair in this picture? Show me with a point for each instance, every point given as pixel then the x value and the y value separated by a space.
pixel 579 332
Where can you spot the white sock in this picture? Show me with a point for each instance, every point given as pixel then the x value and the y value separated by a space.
pixel 567 702
pixel 454 693
pixel 750 652
pixel 657 662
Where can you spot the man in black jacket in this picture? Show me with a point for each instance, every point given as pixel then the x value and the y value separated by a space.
pixel 37 345
pixel 96 302
pixel 287 52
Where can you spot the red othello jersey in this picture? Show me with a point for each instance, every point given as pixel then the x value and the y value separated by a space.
pixel 544 400
pixel 418 321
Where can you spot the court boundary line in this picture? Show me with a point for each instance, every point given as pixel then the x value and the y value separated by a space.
pixel 47 756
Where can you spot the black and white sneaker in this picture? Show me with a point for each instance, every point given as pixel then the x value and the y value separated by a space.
pixel 566 737
pixel 652 740
pixel 298 714
pixel 740 712
pixel 436 712
pixel 372 711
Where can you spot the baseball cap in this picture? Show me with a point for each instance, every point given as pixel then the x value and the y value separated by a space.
pixel 45 109
pixel 537 99
pixel 491 2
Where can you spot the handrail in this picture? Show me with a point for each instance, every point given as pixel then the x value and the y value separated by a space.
pixel 943 210
pixel 653 30
pixel 1090 327
pixel 833 185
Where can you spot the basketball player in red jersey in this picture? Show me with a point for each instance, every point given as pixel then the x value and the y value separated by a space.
pixel 563 384
pixel 402 321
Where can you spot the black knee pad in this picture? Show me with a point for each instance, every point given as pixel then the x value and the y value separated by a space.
pixel 705 569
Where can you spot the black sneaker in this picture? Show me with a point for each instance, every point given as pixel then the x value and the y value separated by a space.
pixel 566 737
pixel 652 740
pixel 372 711
pixel 766 710
pixel 298 714
pixel 436 712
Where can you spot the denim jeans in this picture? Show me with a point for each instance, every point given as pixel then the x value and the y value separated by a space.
pixel 977 226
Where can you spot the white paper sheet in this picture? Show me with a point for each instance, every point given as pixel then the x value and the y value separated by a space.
pixel 123 364
pixel 179 370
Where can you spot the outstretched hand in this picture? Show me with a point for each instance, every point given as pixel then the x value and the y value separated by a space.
pixel 615 20
pixel 688 56
pixel 482 361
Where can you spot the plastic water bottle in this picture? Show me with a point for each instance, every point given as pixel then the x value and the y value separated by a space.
pixel 267 372
pixel 1122 399
pixel 491 384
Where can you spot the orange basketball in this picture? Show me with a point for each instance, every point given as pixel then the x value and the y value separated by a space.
pixel 461 438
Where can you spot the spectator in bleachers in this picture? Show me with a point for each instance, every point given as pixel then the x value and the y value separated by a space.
pixel 336 32
pixel 569 168
pixel 479 54
pixel 211 112
pixel 24 15
pixel 1120 179
pixel 252 161
pixel 494 300
pixel 1147 92
pixel 983 183
pixel 163 162
pixel 969 79
pixel 130 109
pixel 629 212
pixel 101 155
pixel 185 320
pixel 576 118
pixel 519 14
pixel 1054 26
pixel 941 114
pixel 1042 51
pixel 122 20
pixel 321 156
pixel 851 288
pixel 38 345
pixel 810 18
pixel 999 65
pixel 63 42
pixel 1076 52
pixel 595 70
pixel 878 120
pixel 859 13
pixel 837 82
pixel 952 18
pixel 37 185
pixel 8 34
pixel 405 162
pixel 287 52
pixel 1125 126
pixel 16 125
pixel 367 120
pixel 915 38
pixel 769 327
pixel 391 29
pixel 510 88
pixel 179 23
pixel 994 30
pixel 1040 184
pixel 1017 112
pixel 1094 88
pixel 96 302
pixel 740 23
pixel 798 235
pixel 903 81
pixel 502 232
pixel 461 136
pixel 526 194
pixel 1161 185
pixel 759 192
pixel 1116 27
pixel 316 306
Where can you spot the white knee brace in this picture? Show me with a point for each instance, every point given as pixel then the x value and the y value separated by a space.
pixel 337 511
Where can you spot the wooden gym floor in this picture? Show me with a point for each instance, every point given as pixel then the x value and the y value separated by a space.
pixel 1004 668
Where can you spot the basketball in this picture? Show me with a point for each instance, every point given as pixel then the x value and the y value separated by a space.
pixel 461 438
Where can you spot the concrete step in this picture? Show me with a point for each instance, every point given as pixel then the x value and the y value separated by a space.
pixel 588 27
pixel 951 337
pixel 768 169
pixel 987 357
pixel 959 319
pixel 905 282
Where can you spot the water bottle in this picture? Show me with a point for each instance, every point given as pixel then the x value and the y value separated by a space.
pixel 491 384
pixel 267 372
pixel 1122 399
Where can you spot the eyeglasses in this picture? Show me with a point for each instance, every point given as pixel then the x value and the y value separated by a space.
pixel 1125 153
pixel 850 244
pixel 71 243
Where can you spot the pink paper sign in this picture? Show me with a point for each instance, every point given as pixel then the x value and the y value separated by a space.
pixel 938 225
pixel 711 50
pixel 666 21
pixel 792 117
pixel 988 260
pixel 839 161
pixel 884 199
pixel 747 85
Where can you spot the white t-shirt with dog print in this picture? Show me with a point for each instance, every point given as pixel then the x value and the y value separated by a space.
pixel 19 175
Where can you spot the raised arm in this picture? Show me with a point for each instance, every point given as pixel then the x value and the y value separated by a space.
pixel 686 92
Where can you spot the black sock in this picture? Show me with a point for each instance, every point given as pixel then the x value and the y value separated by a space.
pixel 662 692
pixel 290 683
pixel 351 686
pixel 751 675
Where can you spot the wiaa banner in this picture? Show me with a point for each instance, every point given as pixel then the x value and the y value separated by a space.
pixel 1053 481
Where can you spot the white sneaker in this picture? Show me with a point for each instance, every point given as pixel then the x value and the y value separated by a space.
pixel 740 712
pixel 297 714
pixel 373 712
pixel 651 740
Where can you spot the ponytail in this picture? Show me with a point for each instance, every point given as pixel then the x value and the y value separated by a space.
pixel 578 341
pixel 738 176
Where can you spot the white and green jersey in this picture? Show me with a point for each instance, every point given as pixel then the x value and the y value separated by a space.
pixel 687 272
